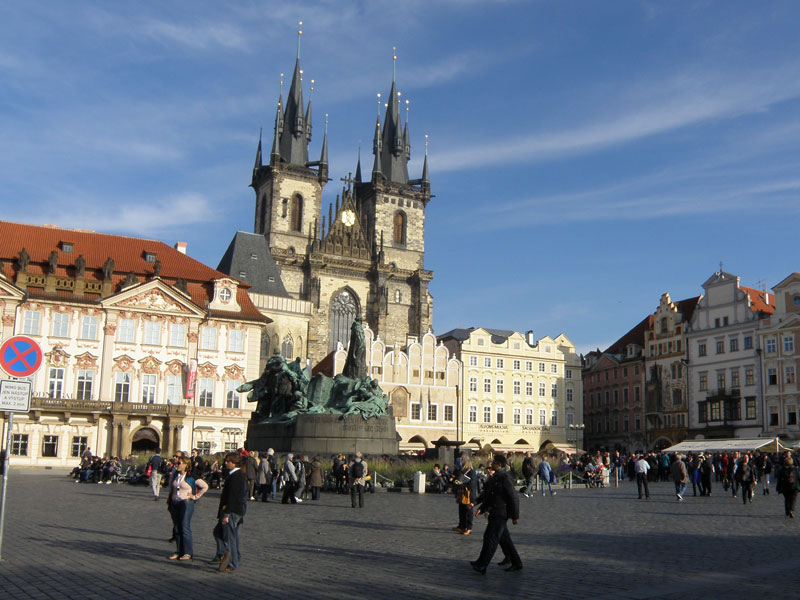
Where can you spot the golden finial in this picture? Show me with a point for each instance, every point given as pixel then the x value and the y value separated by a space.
pixel 426 144
pixel 394 63
pixel 379 105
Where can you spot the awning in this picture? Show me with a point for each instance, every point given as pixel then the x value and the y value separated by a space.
pixel 566 449
pixel 728 445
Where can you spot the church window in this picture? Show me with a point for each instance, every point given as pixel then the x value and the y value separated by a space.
pixel 297 213
pixel 285 205
pixel 397 296
pixel 287 348
pixel 399 227
pixel 344 309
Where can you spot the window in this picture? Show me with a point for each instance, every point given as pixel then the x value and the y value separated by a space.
pixel 517 416
pixel 542 416
pixel 205 447
pixel 735 378
pixel 480 341
pixel 721 380
pixel 568 373
pixel 703 382
pixel 554 418
pixel 529 388
pixel 296 222
pixel 449 413
pixel 788 344
pixel 788 372
pixel 208 338
pixel 570 418
pixel 528 416
pixel 89 328
pixel 716 322
pixel 235 340
pixel 487 385
pixel 541 367
pixel 500 386
pixel 487 414
pixel 473 361
pixel 750 408
pixel 770 345
pixel 616 397
pixel 433 412
pixel 416 411
pixel 773 419
pixel 231 395
pixel 516 365
pixel 517 387
pixel 501 364
pixel 542 389
pixel 473 413
pixel 399 227
pixel 772 376
pixel 625 423
pixel 554 390
pixel 701 349
pixel 205 393
pixel 149 383
pixel 61 324
pixel 749 377
pixel 624 396
pixel 636 394
pixel 791 417
pixel 529 365
pixel 174 389
pixel 287 349
pixel 714 413
pixel 19 444
pixel 570 394
pixel 177 335
pixel 554 369
pixel 500 415
pixel 721 347
pixel 55 385
pixel 637 422
pixel 748 342
pixel 30 324
pixel 85 382
pixel 473 384
pixel 50 446
pixel 487 362
pixel 122 387
pixel 152 333
pixel 79 444
pixel 733 344
pixel 126 331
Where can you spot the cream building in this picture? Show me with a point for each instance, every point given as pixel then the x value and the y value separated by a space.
pixel 519 394
pixel 781 361
pixel 422 380
pixel 143 346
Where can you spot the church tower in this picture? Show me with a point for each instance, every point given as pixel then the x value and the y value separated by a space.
pixel 289 188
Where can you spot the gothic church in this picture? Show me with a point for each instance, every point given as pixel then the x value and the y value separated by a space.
pixel 363 256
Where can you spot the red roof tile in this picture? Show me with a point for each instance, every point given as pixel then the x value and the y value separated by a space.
pixel 760 301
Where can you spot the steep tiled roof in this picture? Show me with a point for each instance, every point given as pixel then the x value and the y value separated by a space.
pixel 760 301
pixel 634 336
pixel 248 258
pixel 128 254
pixel 686 307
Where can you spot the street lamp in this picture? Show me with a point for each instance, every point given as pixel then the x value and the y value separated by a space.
pixel 576 427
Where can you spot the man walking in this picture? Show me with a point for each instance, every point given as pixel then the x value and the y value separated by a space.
pixel 232 506
pixel 500 500
pixel 680 476
pixel 156 463
pixel 289 481
pixel 641 467
pixel 358 473
pixel 528 473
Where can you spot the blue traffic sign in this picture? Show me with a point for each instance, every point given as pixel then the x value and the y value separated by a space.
pixel 20 356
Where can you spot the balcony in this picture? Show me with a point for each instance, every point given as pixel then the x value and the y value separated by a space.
pixel 40 403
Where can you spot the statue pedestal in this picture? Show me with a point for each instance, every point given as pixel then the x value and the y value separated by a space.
pixel 326 434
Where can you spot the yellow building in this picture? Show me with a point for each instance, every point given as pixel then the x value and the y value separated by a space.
pixel 519 394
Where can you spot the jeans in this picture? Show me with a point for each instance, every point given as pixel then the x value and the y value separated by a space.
pixel 497 533
pixel 528 485
pixel 747 491
pixel 155 483
pixel 227 538
pixel 357 488
pixel 641 480
pixel 181 513
pixel 546 481
pixel 789 499
pixel 680 488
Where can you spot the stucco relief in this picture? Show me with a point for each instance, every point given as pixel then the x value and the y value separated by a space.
pixel 150 365
pixel 152 300
pixel 57 357
pixel 175 367
pixel 110 329
pixel 192 337
pixel 86 361
pixel 123 363
pixel 207 370
pixel 8 320
pixel 234 372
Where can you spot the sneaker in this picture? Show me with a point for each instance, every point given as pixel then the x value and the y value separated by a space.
pixel 298 499
pixel 108 482
pixel 552 494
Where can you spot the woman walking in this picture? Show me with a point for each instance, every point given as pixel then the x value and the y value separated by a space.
pixel 466 496
pixel 788 485
pixel 184 492
pixel 315 477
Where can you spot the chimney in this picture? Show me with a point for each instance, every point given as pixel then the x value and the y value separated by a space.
pixel 529 338
pixel 180 247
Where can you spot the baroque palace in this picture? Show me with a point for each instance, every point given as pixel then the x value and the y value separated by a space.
pixel 143 346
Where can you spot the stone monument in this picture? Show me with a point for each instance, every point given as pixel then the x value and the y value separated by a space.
pixel 320 415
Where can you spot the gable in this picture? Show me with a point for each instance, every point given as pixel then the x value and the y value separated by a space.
pixel 153 296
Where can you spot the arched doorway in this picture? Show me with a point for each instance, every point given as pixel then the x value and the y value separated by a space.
pixel 145 440
pixel 344 308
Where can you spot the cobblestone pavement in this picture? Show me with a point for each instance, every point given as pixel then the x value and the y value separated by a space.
pixel 66 540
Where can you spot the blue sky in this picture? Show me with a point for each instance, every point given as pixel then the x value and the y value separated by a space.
pixel 585 156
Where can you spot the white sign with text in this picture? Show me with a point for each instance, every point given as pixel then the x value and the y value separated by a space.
pixel 15 396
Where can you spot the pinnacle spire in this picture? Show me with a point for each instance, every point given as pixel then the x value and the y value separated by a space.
pixel 258 164
pixel 358 167
pixel 394 162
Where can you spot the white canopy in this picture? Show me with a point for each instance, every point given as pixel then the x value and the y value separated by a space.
pixel 729 445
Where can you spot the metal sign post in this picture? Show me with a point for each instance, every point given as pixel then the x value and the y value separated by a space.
pixel 20 356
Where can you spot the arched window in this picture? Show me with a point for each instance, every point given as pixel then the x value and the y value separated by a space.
pixel 344 308
pixel 265 345
pixel 296 222
pixel 397 296
pixel 287 348
pixel 399 236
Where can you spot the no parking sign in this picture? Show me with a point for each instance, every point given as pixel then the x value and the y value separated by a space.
pixel 20 356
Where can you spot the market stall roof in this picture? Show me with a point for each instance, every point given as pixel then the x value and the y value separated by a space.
pixel 763 444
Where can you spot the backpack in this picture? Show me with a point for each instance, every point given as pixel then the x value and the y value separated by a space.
pixel 357 470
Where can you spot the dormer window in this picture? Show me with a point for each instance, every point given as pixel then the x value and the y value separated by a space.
pixel 225 295
pixel 254 257
pixel 150 257
pixel 66 247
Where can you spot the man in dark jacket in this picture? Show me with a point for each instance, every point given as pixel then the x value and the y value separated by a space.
pixel 250 468
pixel 500 500
pixel 232 506
pixel 528 472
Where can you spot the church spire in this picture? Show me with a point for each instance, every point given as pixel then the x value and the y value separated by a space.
pixel 376 146
pixel 323 159
pixel 293 146
pixel 358 167
pixel 394 162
